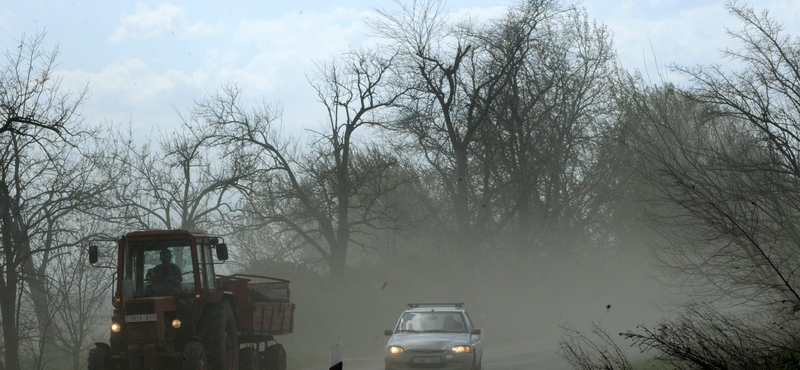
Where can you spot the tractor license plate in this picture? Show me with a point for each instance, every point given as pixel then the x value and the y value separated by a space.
pixel 426 360
pixel 141 318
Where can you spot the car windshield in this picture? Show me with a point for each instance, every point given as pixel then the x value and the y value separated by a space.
pixel 160 267
pixel 432 322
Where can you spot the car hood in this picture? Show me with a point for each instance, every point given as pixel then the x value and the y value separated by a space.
pixel 433 341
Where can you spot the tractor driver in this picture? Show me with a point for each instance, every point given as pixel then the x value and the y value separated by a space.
pixel 166 277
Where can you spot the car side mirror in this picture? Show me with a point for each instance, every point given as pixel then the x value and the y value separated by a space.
pixel 476 331
pixel 93 254
pixel 387 333
pixel 222 251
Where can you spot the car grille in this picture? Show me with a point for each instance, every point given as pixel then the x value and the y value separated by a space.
pixel 140 308
pixel 426 351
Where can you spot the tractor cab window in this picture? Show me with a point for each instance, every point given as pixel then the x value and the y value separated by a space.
pixel 205 262
pixel 160 267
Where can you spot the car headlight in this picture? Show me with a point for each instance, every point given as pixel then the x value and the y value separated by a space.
pixel 116 327
pixel 462 349
pixel 395 350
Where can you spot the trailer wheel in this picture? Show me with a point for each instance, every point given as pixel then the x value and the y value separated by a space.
pixel 219 339
pixel 98 357
pixel 248 359
pixel 275 357
pixel 194 357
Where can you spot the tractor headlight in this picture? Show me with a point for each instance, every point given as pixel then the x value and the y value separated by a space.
pixel 176 323
pixel 395 350
pixel 462 349
pixel 115 327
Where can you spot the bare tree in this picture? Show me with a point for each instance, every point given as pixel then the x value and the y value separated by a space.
pixel 553 144
pixel 719 170
pixel 704 338
pixel 42 179
pixel 185 182
pixel 328 196
pixel 719 161
pixel 81 293
pixel 509 116
pixel 455 77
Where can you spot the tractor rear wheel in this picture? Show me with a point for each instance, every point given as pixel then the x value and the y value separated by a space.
pixel 275 357
pixel 194 357
pixel 248 359
pixel 219 337
pixel 98 358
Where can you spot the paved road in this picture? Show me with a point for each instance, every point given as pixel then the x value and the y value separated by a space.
pixel 531 356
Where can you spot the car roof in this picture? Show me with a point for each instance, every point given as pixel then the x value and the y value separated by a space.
pixel 435 309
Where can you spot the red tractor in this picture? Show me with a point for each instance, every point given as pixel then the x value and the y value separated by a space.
pixel 173 311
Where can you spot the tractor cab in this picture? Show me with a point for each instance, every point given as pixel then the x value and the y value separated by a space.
pixel 168 263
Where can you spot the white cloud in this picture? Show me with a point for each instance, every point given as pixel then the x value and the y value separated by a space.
pixel 167 19
pixel 6 19
pixel 132 80
pixel 480 14
pixel 322 33
pixel 658 33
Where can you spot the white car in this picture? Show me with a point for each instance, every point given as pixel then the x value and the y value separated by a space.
pixel 434 335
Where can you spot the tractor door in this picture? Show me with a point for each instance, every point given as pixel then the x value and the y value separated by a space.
pixel 205 264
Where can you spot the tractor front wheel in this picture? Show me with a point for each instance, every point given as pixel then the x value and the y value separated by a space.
pixel 219 339
pixel 98 358
pixel 194 357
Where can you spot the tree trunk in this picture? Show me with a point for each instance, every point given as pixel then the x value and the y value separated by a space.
pixel 8 307
pixel 9 281
pixel 39 297
pixel 466 238
pixel 338 260
pixel 76 359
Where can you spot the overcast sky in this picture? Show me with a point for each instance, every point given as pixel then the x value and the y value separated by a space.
pixel 142 58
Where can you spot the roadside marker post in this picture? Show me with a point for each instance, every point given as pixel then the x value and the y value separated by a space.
pixel 336 356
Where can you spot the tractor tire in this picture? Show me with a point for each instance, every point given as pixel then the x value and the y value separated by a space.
pixel 194 357
pixel 98 358
pixel 219 337
pixel 248 359
pixel 275 358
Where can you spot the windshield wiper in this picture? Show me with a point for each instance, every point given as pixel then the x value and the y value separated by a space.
pixel 410 331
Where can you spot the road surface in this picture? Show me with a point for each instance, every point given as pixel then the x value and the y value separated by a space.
pixel 530 356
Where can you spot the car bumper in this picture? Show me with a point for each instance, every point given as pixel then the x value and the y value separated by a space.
pixel 447 360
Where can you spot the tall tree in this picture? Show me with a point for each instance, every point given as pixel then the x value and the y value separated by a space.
pixel 509 116
pixel 45 177
pixel 551 141
pixel 322 197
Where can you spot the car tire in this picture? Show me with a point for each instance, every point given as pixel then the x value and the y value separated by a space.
pixel 98 358
pixel 219 339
